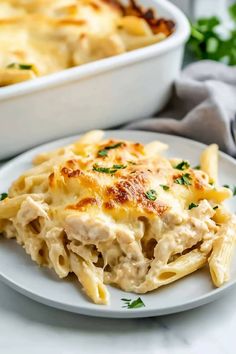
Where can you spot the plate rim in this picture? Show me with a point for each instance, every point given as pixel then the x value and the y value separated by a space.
pixel 34 149
pixel 103 311
pixel 121 314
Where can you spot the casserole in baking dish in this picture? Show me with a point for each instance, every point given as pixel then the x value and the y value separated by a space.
pixel 39 37
pixel 101 94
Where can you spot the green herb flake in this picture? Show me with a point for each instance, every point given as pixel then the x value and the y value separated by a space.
pixel 104 151
pixel 109 170
pixel 184 165
pixel 25 66
pixel 135 304
pixel 20 66
pixel 192 205
pixel 233 189
pixel 212 45
pixel 119 167
pixel 132 162
pixel 102 169
pixel 195 34
pixel 165 187
pixel 3 196
pixel 232 11
pixel 184 180
pixel 215 207
pixel 151 194
pixel 196 167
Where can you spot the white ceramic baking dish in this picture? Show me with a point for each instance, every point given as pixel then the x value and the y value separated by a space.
pixel 100 94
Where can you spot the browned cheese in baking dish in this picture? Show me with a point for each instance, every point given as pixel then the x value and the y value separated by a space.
pixel 39 37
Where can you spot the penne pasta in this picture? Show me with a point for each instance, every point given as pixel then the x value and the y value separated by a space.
pixel 9 77
pixel 57 252
pixel 217 195
pixel 221 256
pixel 209 162
pixel 117 212
pixel 168 273
pixel 90 278
pixel 92 137
pixel 155 148
pixel 135 26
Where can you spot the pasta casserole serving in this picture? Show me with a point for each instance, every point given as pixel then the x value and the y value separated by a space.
pixel 118 212
pixel 39 37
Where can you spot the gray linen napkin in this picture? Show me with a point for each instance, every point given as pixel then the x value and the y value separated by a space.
pixel 203 106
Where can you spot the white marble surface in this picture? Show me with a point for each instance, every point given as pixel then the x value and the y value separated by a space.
pixel 27 327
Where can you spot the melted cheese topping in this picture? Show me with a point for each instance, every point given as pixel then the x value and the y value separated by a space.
pixel 115 212
pixel 52 35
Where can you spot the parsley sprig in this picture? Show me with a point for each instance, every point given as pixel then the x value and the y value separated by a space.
pixel 151 194
pixel 207 42
pixel 109 170
pixel 135 304
pixel 185 179
pixel 3 196
pixel 104 151
pixel 184 165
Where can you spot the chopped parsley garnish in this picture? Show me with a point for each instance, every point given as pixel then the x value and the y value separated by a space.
pixel 192 205
pixel 212 38
pixel 135 304
pixel 119 167
pixel 233 189
pixel 151 194
pixel 104 151
pixel 184 180
pixel 20 66
pixel 3 196
pixel 110 170
pixel 211 183
pixel 165 187
pixel 182 166
pixel 196 167
pixel 132 162
pixel 215 207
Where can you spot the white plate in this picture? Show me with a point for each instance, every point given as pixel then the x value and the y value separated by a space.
pixel 43 285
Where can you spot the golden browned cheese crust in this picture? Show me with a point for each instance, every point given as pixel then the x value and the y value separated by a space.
pixel 119 212
pixel 125 188
pixel 39 37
